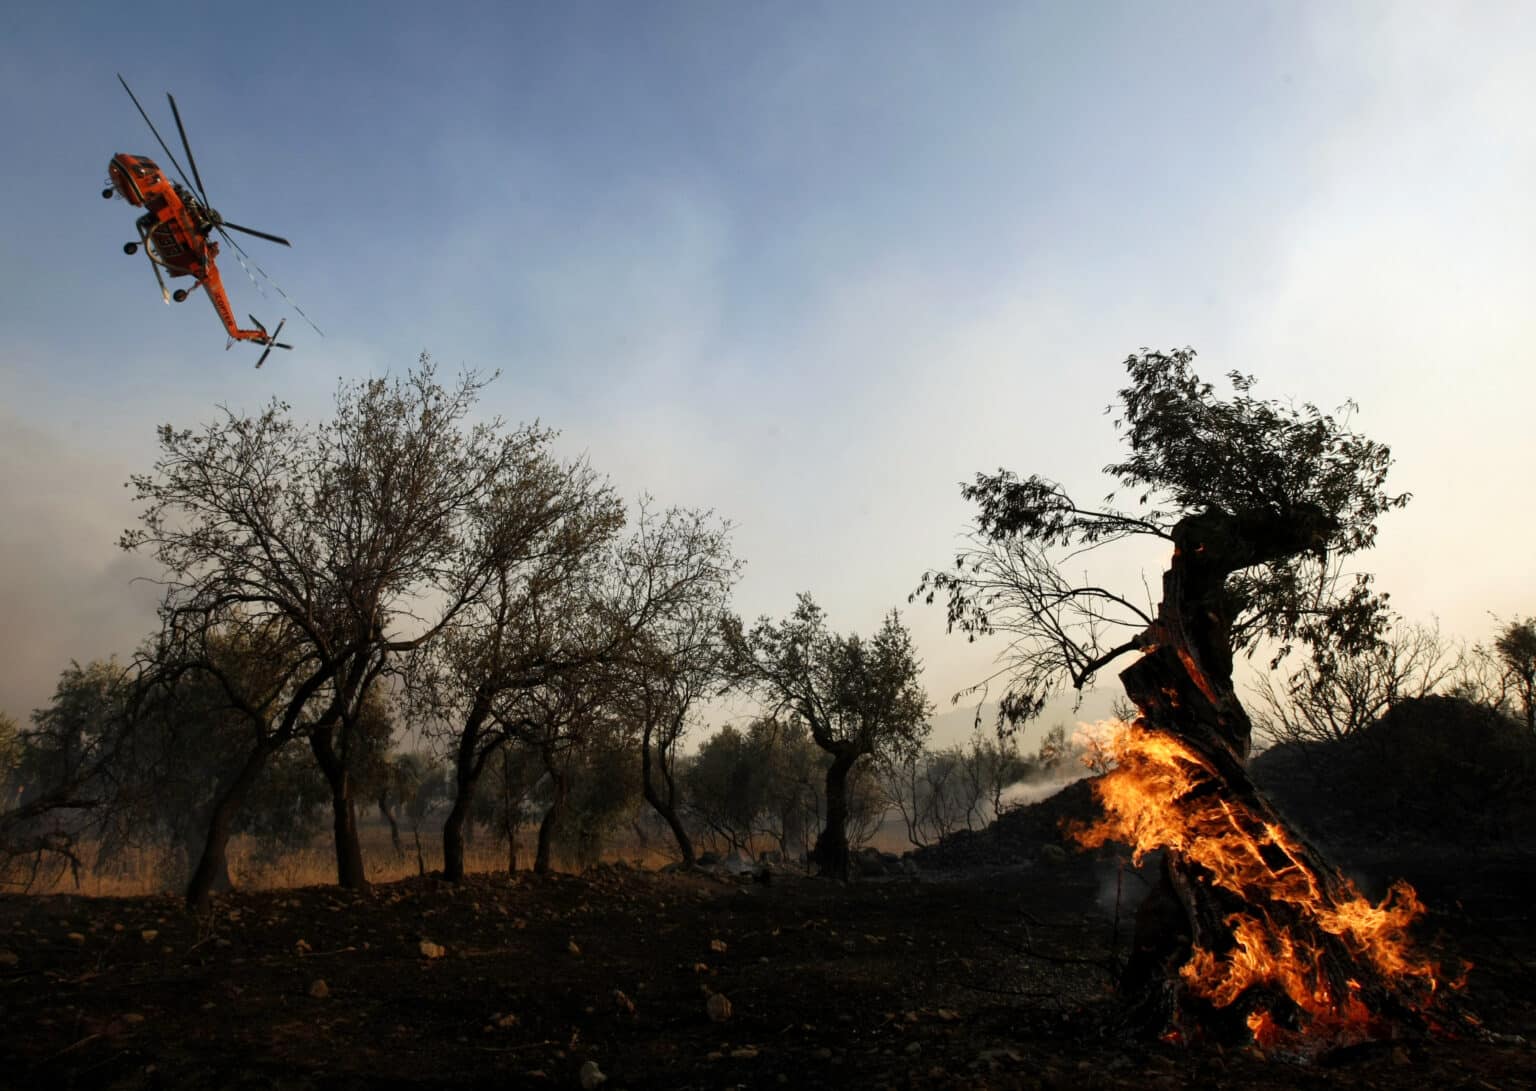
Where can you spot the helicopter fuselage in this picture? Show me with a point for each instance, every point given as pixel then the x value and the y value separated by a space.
pixel 174 231
pixel 175 226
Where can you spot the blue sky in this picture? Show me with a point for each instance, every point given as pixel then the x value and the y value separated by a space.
pixel 810 265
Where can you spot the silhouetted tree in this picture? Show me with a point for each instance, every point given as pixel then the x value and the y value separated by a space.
pixel 551 528
pixel 678 658
pixel 414 785
pixel 1516 649
pixel 57 770
pixel 183 745
pixel 727 785
pixel 341 546
pixel 859 698
pixel 513 774
pixel 603 796
pixel 576 603
pixel 1337 695
pixel 793 771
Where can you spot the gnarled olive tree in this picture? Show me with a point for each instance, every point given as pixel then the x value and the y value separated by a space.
pixel 1257 501
pixel 859 698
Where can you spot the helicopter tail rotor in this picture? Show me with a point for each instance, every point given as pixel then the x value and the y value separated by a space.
pixel 269 339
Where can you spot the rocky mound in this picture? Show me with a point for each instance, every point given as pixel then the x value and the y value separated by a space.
pixel 1020 835
pixel 1432 771
pixel 1436 772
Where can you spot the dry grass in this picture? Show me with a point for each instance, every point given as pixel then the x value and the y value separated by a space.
pixel 251 868
pixel 147 872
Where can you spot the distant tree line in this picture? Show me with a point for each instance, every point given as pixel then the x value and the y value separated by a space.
pixel 409 609
pixel 1334 697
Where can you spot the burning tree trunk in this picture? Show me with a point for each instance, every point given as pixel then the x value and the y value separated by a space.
pixel 1250 926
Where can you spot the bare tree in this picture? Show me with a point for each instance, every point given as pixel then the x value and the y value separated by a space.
pixel 859 698
pixel 678 658
pixel 584 606
pixel 341 545
pixel 1334 696
pixel 550 529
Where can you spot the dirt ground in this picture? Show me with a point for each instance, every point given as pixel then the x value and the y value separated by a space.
pixel 990 979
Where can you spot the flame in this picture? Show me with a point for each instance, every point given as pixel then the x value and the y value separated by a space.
pixel 1160 796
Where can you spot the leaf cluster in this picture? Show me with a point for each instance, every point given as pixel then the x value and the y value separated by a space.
pixel 1299 482
pixel 856 695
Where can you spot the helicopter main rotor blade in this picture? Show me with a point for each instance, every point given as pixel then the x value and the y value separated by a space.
pixel 191 159
pixel 259 234
pixel 166 147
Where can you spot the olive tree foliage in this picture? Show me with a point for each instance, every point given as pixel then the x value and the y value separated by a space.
pixel 767 785
pixel 1515 647
pixel 764 783
pixel 57 772
pixel 183 744
pixel 565 721
pixel 1288 488
pixel 341 545
pixel 411 787
pixel 504 805
pixel 795 772
pixel 1330 698
pixel 859 698
pixel 727 786
pixel 602 799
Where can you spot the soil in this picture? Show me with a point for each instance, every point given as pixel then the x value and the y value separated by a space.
pixel 986 977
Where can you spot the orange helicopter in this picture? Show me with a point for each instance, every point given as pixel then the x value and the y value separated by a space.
pixel 175 228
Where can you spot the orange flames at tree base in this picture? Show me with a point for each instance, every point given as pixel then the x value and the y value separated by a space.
pixel 1280 940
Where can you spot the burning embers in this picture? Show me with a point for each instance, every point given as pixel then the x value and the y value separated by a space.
pixel 1278 939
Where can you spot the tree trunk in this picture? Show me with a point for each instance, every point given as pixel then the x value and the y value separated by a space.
pixel 831 852
pixel 542 860
pixel 453 831
pixel 394 827
pixel 663 805
pixel 1185 932
pixel 213 863
pixel 511 827
pixel 194 837
pixel 350 874
pixel 469 763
